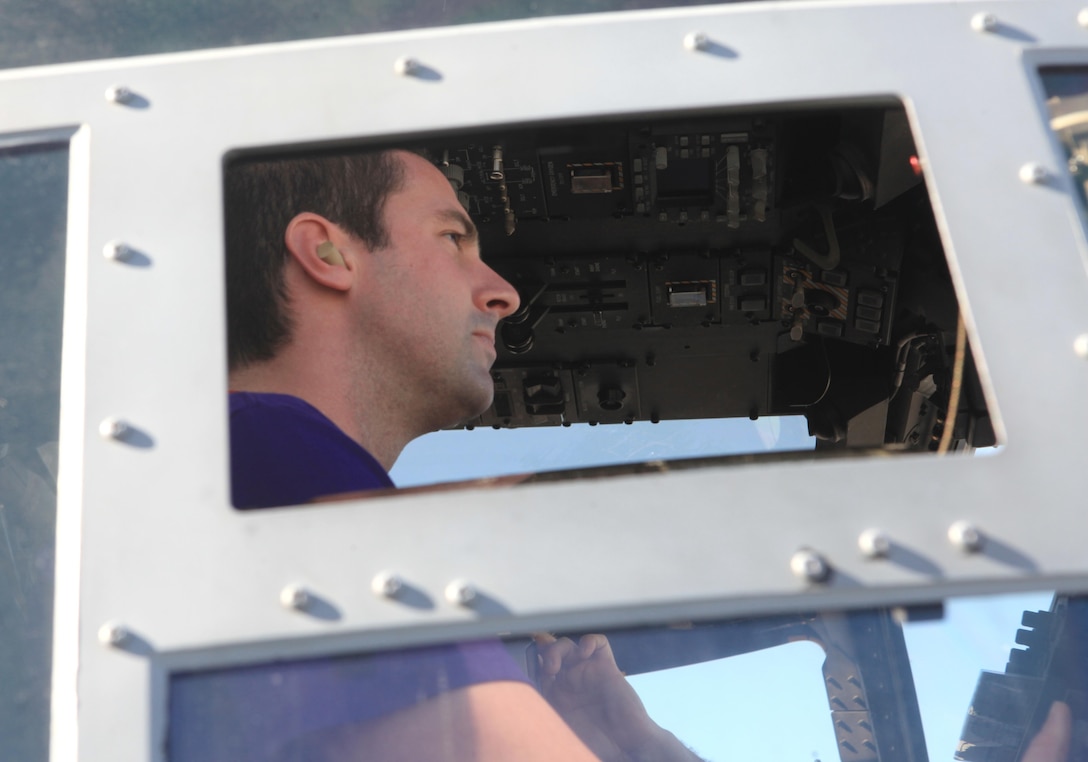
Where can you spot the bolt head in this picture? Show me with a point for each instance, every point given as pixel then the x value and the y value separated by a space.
pixel 1080 346
pixel 112 428
pixel 966 536
pixel 1033 173
pixel 294 597
pixel 116 251
pixel 406 67
pixel 118 94
pixel 112 634
pixel 386 584
pixel 874 543
pixel 984 22
pixel 460 592
pixel 696 41
pixel 810 566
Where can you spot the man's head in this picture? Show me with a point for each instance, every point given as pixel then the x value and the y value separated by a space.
pixel 262 197
pixel 399 327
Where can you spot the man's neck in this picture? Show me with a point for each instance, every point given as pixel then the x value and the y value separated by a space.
pixel 361 416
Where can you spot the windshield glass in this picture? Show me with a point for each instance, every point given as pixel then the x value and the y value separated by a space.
pixel 1067 102
pixel 33 193
pixel 975 679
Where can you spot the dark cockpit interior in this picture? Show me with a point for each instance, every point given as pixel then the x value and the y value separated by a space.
pixel 722 265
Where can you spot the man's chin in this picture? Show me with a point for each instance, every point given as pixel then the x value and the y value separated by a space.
pixel 473 407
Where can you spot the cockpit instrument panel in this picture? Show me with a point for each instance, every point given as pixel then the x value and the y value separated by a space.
pixel 719 265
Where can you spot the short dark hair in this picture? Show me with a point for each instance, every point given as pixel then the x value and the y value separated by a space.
pixel 261 197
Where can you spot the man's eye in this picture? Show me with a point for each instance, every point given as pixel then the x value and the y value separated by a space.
pixel 456 237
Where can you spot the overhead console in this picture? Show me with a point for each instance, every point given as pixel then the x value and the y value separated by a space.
pixel 724 265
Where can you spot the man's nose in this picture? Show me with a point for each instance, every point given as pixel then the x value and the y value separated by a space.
pixel 498 295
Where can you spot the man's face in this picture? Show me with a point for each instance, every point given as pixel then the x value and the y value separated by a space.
pixel 430 306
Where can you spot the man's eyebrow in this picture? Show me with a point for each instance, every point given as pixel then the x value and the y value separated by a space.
pixel 456 215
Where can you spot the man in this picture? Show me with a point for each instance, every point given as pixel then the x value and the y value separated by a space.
pixel 391 335
pixel 361 316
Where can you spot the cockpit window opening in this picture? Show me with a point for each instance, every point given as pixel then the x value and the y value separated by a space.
pixel 680 272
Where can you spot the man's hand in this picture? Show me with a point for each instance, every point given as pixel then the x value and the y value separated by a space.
pixel 584 685
pixel 1052 742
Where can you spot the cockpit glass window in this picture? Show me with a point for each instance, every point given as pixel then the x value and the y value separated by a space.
pixel 1067 103
pixel 673 292
pixel 33 204
pixel 973 679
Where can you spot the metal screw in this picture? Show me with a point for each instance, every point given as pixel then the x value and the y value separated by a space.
pixel 1080 346
pixel 118 94
pixel 116 251
pixel 984 22
pixel 1033 173
pixel 810 566
pixel 460 592
pixel 1082 18
pixel 386 584
pixel 406 67
pixel 696 41
pixel 874 543
pixel 112 428
pixel 294 597
pixel 112 634
pixel 966 536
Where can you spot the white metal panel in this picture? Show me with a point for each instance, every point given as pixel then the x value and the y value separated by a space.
pixel 197 583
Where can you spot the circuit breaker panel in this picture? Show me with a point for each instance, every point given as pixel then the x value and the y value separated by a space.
pixel 718 266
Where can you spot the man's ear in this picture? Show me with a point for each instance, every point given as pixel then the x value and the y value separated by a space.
pixel 316 245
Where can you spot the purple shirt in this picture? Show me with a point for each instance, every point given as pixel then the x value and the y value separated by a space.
pixel 284 451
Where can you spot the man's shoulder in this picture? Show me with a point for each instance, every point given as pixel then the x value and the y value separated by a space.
pixel 284 451
pixel 268 403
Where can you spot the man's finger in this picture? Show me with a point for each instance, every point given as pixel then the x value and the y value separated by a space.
pixel 592 643
pixel 553 654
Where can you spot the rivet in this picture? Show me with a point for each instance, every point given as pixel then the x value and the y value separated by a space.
pixel 1033 173
pixel 294 597
pixel 406 66
pixel 460 592
pixel 112 634
pixel 1082 18
pixel 386 584
pixel 966 536
pixel 112 428
pixel 118 94
pixel 874 543
pixel 984 22
pixel 116 251
pixel 810 566
pixel 696 41
pixel 1080 346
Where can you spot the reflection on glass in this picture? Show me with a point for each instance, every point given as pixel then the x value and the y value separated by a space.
pixel 1067 101
pixel 33 191
pixel 820 686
